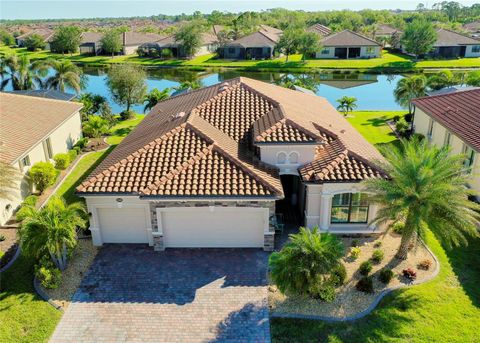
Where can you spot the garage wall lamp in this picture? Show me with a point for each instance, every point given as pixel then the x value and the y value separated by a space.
pixel 119 202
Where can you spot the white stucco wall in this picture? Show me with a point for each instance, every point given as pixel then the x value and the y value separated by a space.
pixel 375 53
pixel 421 124
pixel 67 134
pixel 470 53
pixel 270 154
pixel 363 52
pixel 330 54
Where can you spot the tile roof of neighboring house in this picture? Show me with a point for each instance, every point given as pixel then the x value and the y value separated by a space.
pixel 473 26
pixel 46 34
pixel 319 29
pixel 385 30
pixel 457 111
pixel 130 38
pixel 199 143
pixel 46 93
pixel 450 38
pixel 345 84
pixel 170 41
pixel 26 120
pixel 348 38
pixel 91 37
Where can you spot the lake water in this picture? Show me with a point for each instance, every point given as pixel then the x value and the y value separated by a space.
pixel 373 92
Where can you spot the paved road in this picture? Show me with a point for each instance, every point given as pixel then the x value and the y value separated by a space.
pixel 133 294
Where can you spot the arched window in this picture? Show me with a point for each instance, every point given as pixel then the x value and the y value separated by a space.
pixel 281 158
pixel 293 158
pixel 349 208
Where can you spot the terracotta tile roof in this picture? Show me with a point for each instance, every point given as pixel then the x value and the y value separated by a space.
pixel 200 143
pixel 451 38
pixel 26 120
pixel 319 29
pixel 458 112
pixel 348 38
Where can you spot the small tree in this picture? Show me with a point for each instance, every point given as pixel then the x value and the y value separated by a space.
pixel 305 261
pixel 127 84
pixel 419 37
pixel 473 78
pixel 347 104
pixel 34 42
pixel 95 127
pixel 105 112
pixel 190 36
pixel 154 97
pixel 66 39
pixel 43 175
pixel 52 230
pixel 289 42
pixel 442 79
pixel 7 38
pixel 408 89
pixel 112 42
pixel 309 44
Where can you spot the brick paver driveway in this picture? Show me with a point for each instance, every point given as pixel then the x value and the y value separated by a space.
pixel 133 294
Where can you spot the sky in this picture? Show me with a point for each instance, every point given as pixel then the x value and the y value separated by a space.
pixel 23 9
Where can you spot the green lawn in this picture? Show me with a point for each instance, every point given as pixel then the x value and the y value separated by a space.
pixel 27 317
pixel 446 309
pixel 388 61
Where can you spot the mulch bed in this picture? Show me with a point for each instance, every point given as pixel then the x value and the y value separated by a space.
pixel 96 144
pixel 8 246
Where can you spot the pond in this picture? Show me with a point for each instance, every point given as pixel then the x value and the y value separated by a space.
pixel 373 91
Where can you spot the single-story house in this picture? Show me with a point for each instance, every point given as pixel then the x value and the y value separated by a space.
pixel 46 93
pixel 257 45
pixel 46 34
pixel 131 41
pixel 348 44
pixel 34 129
pixel 209 45
pixel 388 36
pixel 453 119
pixel 451 44
pixel 473 28
pixel 319 29
pixel 212 167
pixel 91 43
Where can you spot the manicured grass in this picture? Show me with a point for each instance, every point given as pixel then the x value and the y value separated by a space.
pixel 446 309
pixel 388 61
pixel 24 317
pixel 122 129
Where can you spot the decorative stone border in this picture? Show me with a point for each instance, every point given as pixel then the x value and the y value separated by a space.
pixel 372 305
pixel 41 293
pixel 12 260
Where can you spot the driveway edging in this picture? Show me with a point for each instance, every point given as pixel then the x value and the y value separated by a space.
pixel 371 307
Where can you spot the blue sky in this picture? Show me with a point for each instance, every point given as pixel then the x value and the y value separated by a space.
pixel 22 9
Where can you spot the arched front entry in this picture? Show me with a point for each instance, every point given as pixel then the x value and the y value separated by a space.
pixel 291 207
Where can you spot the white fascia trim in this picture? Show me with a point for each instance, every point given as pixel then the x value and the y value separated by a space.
pixel 208 199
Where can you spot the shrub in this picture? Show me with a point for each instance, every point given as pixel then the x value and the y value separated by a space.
pixel 30 200
pixel 72 154
pixel 386 275
pixel 50 278
pixel 354 243
pixel 26 207
pixel 2 238
pixel 398 227
pixel 95 127
pixel 127 115
pixel 408 118
pixel 62 160
pixel 338 275
pixel 43 175
pixel 418 136
pixel 377 256
pixel 324 291
pixel 377 244
pixel 355 252
pixel 166 53
pixel 365 268
pixel 401 127
pixel 81 143
pixel 365 284
pixel 424 264
pixel 396 118
pixel 410 274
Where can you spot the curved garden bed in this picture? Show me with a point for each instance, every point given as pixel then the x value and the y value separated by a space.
pixel 9 250
pixel 351 304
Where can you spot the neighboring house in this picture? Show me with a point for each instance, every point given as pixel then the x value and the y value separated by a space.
pixel 346 81
pixel 451 44
pixel 46 34
pixel 257 45
pixel 210 168
pixel 319 29
pixel 385 31
pixel 473 28
pixel 131 41
pixel 91 43
pixel 386 35
pixel 34 129
pixel 209 45
pixel 348 44
pixel 453 119
pixel 46 93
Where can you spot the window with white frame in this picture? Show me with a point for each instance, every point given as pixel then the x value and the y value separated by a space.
pixel 349 208
pixel 476 49
pixel 430 128
pixel 293 158
pixel 25 162
pixel 325 51
pixel 370 50
pixel 448 138
pixel 469 157
pixel 281 158
pixel 48 145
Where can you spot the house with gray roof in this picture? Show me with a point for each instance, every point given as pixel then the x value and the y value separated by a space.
pixel 451 44
pixel 91 43
pixel 348 44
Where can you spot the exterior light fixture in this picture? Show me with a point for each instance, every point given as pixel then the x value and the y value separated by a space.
pixel 119 202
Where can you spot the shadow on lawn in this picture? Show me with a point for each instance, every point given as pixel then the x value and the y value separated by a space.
pixel 465 262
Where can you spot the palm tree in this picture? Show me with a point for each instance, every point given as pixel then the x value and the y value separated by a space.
pixel 154 97
pixel 346 104
pixel 9 177
pixel 426 191
pixel 95 127
pixel 408 89
pixel 66 74
pixel 305 260
pixel 52 230
pixel 189 85
pixel 20 72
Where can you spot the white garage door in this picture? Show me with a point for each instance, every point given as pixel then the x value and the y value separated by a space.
pixel 122 225
pixel 218 227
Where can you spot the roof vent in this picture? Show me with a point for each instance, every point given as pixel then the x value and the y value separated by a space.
pixel 178 115
pixel 223 87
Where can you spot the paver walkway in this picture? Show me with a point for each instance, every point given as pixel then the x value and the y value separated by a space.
pixel 133 294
